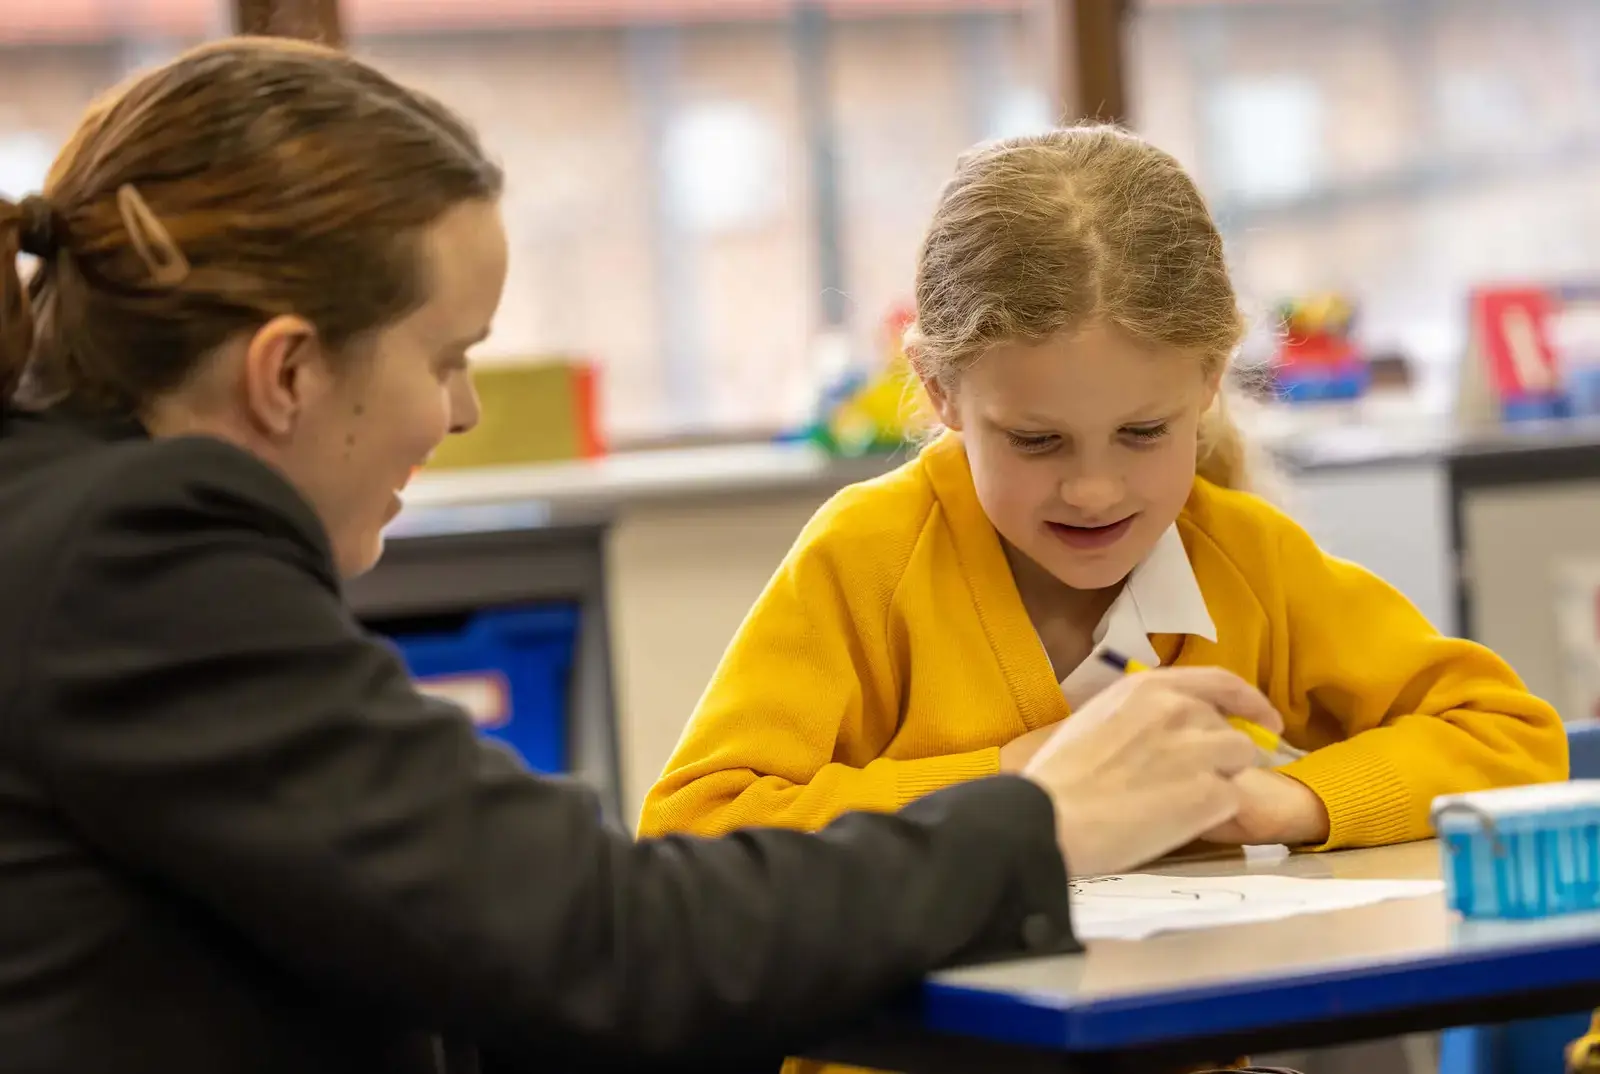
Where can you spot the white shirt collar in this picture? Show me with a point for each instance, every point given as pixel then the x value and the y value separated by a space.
pixel 1161 596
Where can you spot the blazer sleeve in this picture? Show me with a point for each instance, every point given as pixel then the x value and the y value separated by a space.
pixel 204 709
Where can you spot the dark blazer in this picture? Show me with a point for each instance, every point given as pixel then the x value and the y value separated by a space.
pixel 233 837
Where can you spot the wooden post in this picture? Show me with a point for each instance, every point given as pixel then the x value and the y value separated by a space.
pixel 1092 59
pixel 311 20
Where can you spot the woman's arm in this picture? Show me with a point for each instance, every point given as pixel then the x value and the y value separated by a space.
pixel 203 707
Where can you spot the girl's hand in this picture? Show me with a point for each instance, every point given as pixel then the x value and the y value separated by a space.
pixel 1148 764
pixel 1273 808
pixel 1015 755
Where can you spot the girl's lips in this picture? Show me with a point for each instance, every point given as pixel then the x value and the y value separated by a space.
pixel 1090 537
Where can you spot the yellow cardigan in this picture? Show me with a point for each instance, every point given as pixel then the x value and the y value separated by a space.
pixel 891 655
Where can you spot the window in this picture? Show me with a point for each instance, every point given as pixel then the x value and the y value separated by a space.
pixel 1402 150
pixel 710 200
pixel 57 57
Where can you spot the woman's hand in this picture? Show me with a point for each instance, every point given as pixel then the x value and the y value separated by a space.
pixel 1148 765
pixel 1273 808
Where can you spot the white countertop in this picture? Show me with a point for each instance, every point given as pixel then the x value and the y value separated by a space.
pixel 589 491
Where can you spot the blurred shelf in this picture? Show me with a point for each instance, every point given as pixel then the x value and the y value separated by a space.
pixel 1352 437
pixel 591 492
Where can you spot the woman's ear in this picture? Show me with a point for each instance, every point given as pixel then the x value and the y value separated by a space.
pixel 285 370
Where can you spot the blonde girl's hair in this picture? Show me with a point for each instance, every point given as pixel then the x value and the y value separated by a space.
pixel 1043 234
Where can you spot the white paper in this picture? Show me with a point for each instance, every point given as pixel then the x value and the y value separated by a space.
pixel 1133 906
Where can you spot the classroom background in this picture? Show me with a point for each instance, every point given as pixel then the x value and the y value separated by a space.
pixel 715 207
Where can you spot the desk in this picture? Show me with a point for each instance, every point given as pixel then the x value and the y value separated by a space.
pixel 1397 967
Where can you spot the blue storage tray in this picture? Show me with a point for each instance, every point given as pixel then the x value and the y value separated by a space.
pixel 511 670
pixel 1307 389
pixel 1521 852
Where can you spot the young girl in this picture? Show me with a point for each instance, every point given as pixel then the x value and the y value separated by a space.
pixel 1075 320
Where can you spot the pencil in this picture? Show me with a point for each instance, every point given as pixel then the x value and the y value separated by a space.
pixel 1258 734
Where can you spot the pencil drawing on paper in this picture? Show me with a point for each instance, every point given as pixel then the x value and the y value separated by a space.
pixel 1137 905
pixel 1108 887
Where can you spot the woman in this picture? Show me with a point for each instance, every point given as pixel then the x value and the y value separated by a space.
pixel 232 836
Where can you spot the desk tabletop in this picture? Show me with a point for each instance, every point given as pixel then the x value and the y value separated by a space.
pixel 1373 960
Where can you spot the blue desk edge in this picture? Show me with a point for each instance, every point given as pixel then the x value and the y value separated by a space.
pixel 1151 1018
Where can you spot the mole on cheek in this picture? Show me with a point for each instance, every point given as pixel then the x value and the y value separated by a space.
pixel 350 438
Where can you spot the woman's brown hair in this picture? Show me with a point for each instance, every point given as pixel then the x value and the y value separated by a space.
pixel 1040 235
pixel 246 179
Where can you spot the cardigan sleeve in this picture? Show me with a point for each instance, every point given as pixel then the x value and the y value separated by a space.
pixel 1422 714
pixel 810 666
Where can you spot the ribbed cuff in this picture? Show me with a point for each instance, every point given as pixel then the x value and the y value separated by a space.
pixel 1368 802
pixel 914 779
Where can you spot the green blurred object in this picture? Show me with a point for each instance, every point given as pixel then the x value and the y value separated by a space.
pixel 864 413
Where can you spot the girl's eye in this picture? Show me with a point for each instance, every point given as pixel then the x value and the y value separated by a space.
pixel 1144 434
pixel 1033 444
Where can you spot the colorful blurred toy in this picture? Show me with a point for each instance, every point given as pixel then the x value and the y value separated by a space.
pixel 868 411
pixel 1317 357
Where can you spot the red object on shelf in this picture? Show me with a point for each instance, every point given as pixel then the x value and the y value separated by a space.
pixel 1319 350
pixel 586 396
pixel 1513 329
pixel 1514 368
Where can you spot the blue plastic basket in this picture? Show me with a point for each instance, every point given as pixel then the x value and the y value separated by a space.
pixel 1521 852
pixel 511 670
pixel 1344 382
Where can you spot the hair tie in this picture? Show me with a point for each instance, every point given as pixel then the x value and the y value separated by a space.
pixel 38 227
pixel 150 238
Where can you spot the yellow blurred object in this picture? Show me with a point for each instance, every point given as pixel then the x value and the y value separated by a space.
pixel 1327 313
pixel 1583 1054
pixel 537 410
pixel 875 417
pixel 875 413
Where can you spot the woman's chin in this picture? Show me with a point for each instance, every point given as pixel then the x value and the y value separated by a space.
pixel 356 557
